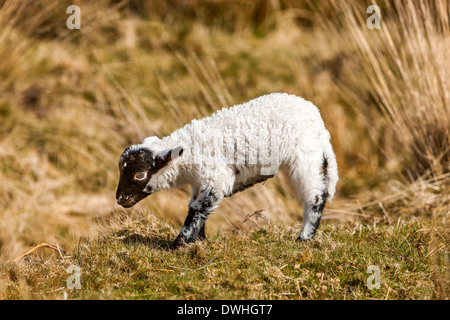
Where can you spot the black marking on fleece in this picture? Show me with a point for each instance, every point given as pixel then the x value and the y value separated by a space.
pixel 242 187
pixel 324 172
pixel 318 207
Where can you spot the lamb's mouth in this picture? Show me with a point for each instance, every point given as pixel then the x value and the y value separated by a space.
pixel 128 204
pixel 130 201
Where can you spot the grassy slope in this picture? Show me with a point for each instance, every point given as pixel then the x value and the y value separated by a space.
pixel 258 259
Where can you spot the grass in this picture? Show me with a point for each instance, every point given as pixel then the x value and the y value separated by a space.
pixel 72 100
pixel 133 261
pixel 254 258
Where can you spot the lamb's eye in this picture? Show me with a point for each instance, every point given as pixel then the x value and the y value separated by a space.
pixel 140 176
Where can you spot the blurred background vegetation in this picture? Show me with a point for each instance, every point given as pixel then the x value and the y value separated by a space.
pixel 72 100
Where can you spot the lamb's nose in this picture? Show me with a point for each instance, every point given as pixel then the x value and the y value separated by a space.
pixel 121 199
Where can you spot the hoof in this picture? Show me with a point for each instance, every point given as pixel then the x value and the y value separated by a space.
pixel 181 241
pixel 201 237
pixel 304 238
pixel 178 242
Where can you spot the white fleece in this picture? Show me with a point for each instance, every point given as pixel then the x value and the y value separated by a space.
pixel 247 143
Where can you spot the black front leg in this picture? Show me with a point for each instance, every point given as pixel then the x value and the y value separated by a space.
pixel 200 208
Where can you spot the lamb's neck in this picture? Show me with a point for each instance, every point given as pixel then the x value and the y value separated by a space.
pixel 169 177
pixel 173 174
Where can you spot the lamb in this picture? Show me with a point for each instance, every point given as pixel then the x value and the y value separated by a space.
pixel 232 150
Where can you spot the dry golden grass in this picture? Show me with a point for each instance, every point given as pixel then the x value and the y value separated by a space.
pixel 72 100
pixel 404 68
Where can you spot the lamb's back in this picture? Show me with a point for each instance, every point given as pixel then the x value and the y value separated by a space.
pixel 257 120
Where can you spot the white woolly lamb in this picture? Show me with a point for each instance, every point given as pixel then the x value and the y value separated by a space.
pixel 231 150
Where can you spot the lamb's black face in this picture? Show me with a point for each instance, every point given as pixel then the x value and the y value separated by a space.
pixel 136 167
pixel 137 164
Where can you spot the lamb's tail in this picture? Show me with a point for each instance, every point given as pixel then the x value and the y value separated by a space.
pixel 329 169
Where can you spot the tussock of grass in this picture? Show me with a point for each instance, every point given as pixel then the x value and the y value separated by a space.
pixel 266 263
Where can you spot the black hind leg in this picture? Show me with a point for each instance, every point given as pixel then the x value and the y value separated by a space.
pixel 201 234
pixel 311 182
pixel 312 216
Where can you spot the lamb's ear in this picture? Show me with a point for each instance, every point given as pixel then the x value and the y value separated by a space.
pixel 165 156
